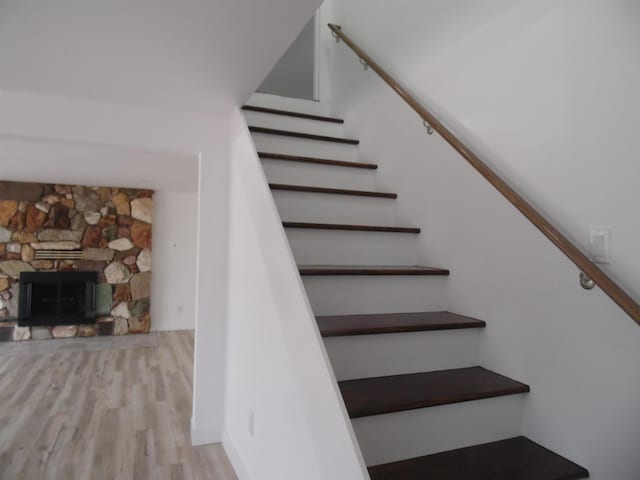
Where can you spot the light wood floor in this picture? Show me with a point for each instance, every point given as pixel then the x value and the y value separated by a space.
pixel 104 413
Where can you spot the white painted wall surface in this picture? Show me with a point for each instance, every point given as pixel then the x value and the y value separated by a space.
pixel 278 371
pixel 173 305
pixel 293 75
pixel 546 91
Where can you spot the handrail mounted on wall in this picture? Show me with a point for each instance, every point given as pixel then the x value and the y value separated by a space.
pixel 587 267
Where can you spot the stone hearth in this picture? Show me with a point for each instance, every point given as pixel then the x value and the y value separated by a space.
pixel 45 227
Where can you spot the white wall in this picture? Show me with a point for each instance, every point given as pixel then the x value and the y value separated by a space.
pixel 546 92
pixel 174 261
pixel 293 75
pixel 279 379
pixel 324 49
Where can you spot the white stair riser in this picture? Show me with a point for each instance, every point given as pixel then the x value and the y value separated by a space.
pixel 298 173
pixel 330 208
pixel 303 147
pixel 402 435
pixel 286 122
pixel 292 104
pixel 326 247
pixel 344 295
pixel 364 356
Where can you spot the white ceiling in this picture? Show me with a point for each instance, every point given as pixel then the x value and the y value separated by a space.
pixel 71 163
pixel 196 55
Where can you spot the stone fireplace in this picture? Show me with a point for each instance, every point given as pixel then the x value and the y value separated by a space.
pixel 74 261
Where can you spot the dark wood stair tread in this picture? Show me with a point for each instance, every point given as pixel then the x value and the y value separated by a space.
pixel 513 459
pixel 396 393
pixel 329 270
pixel 289 113
pixel 307 136
pixel 343 325
pixel 340 226
pixel 320 161
pixel 335 191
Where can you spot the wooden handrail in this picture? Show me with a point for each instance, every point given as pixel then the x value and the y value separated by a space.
pixel 611 288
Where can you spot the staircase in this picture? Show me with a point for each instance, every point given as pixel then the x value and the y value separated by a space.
pixel 420 405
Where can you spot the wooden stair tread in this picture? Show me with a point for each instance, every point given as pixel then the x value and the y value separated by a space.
pixel 307 136
pixel 514 459
pixel 335 191
pixel 340 226
pixel 343 325
pixel 396 393
pixel 289 113
pixel 329 270
pixel 320 161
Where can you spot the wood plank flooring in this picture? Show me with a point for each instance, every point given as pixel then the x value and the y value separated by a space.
pixel 103 414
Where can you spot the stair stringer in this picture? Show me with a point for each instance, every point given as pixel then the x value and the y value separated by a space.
pixel 311 380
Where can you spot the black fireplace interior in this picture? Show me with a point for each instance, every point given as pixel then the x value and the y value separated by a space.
pixel 57 298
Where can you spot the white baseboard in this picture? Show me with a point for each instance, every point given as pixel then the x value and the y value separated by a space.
pixel 234 458
pixel 204 435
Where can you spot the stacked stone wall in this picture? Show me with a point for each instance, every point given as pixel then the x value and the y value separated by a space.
pixel 109 229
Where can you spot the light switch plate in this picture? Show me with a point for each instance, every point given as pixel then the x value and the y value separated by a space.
pixel 600 244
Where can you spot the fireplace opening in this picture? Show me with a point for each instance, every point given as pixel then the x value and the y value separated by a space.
pixel 57 298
